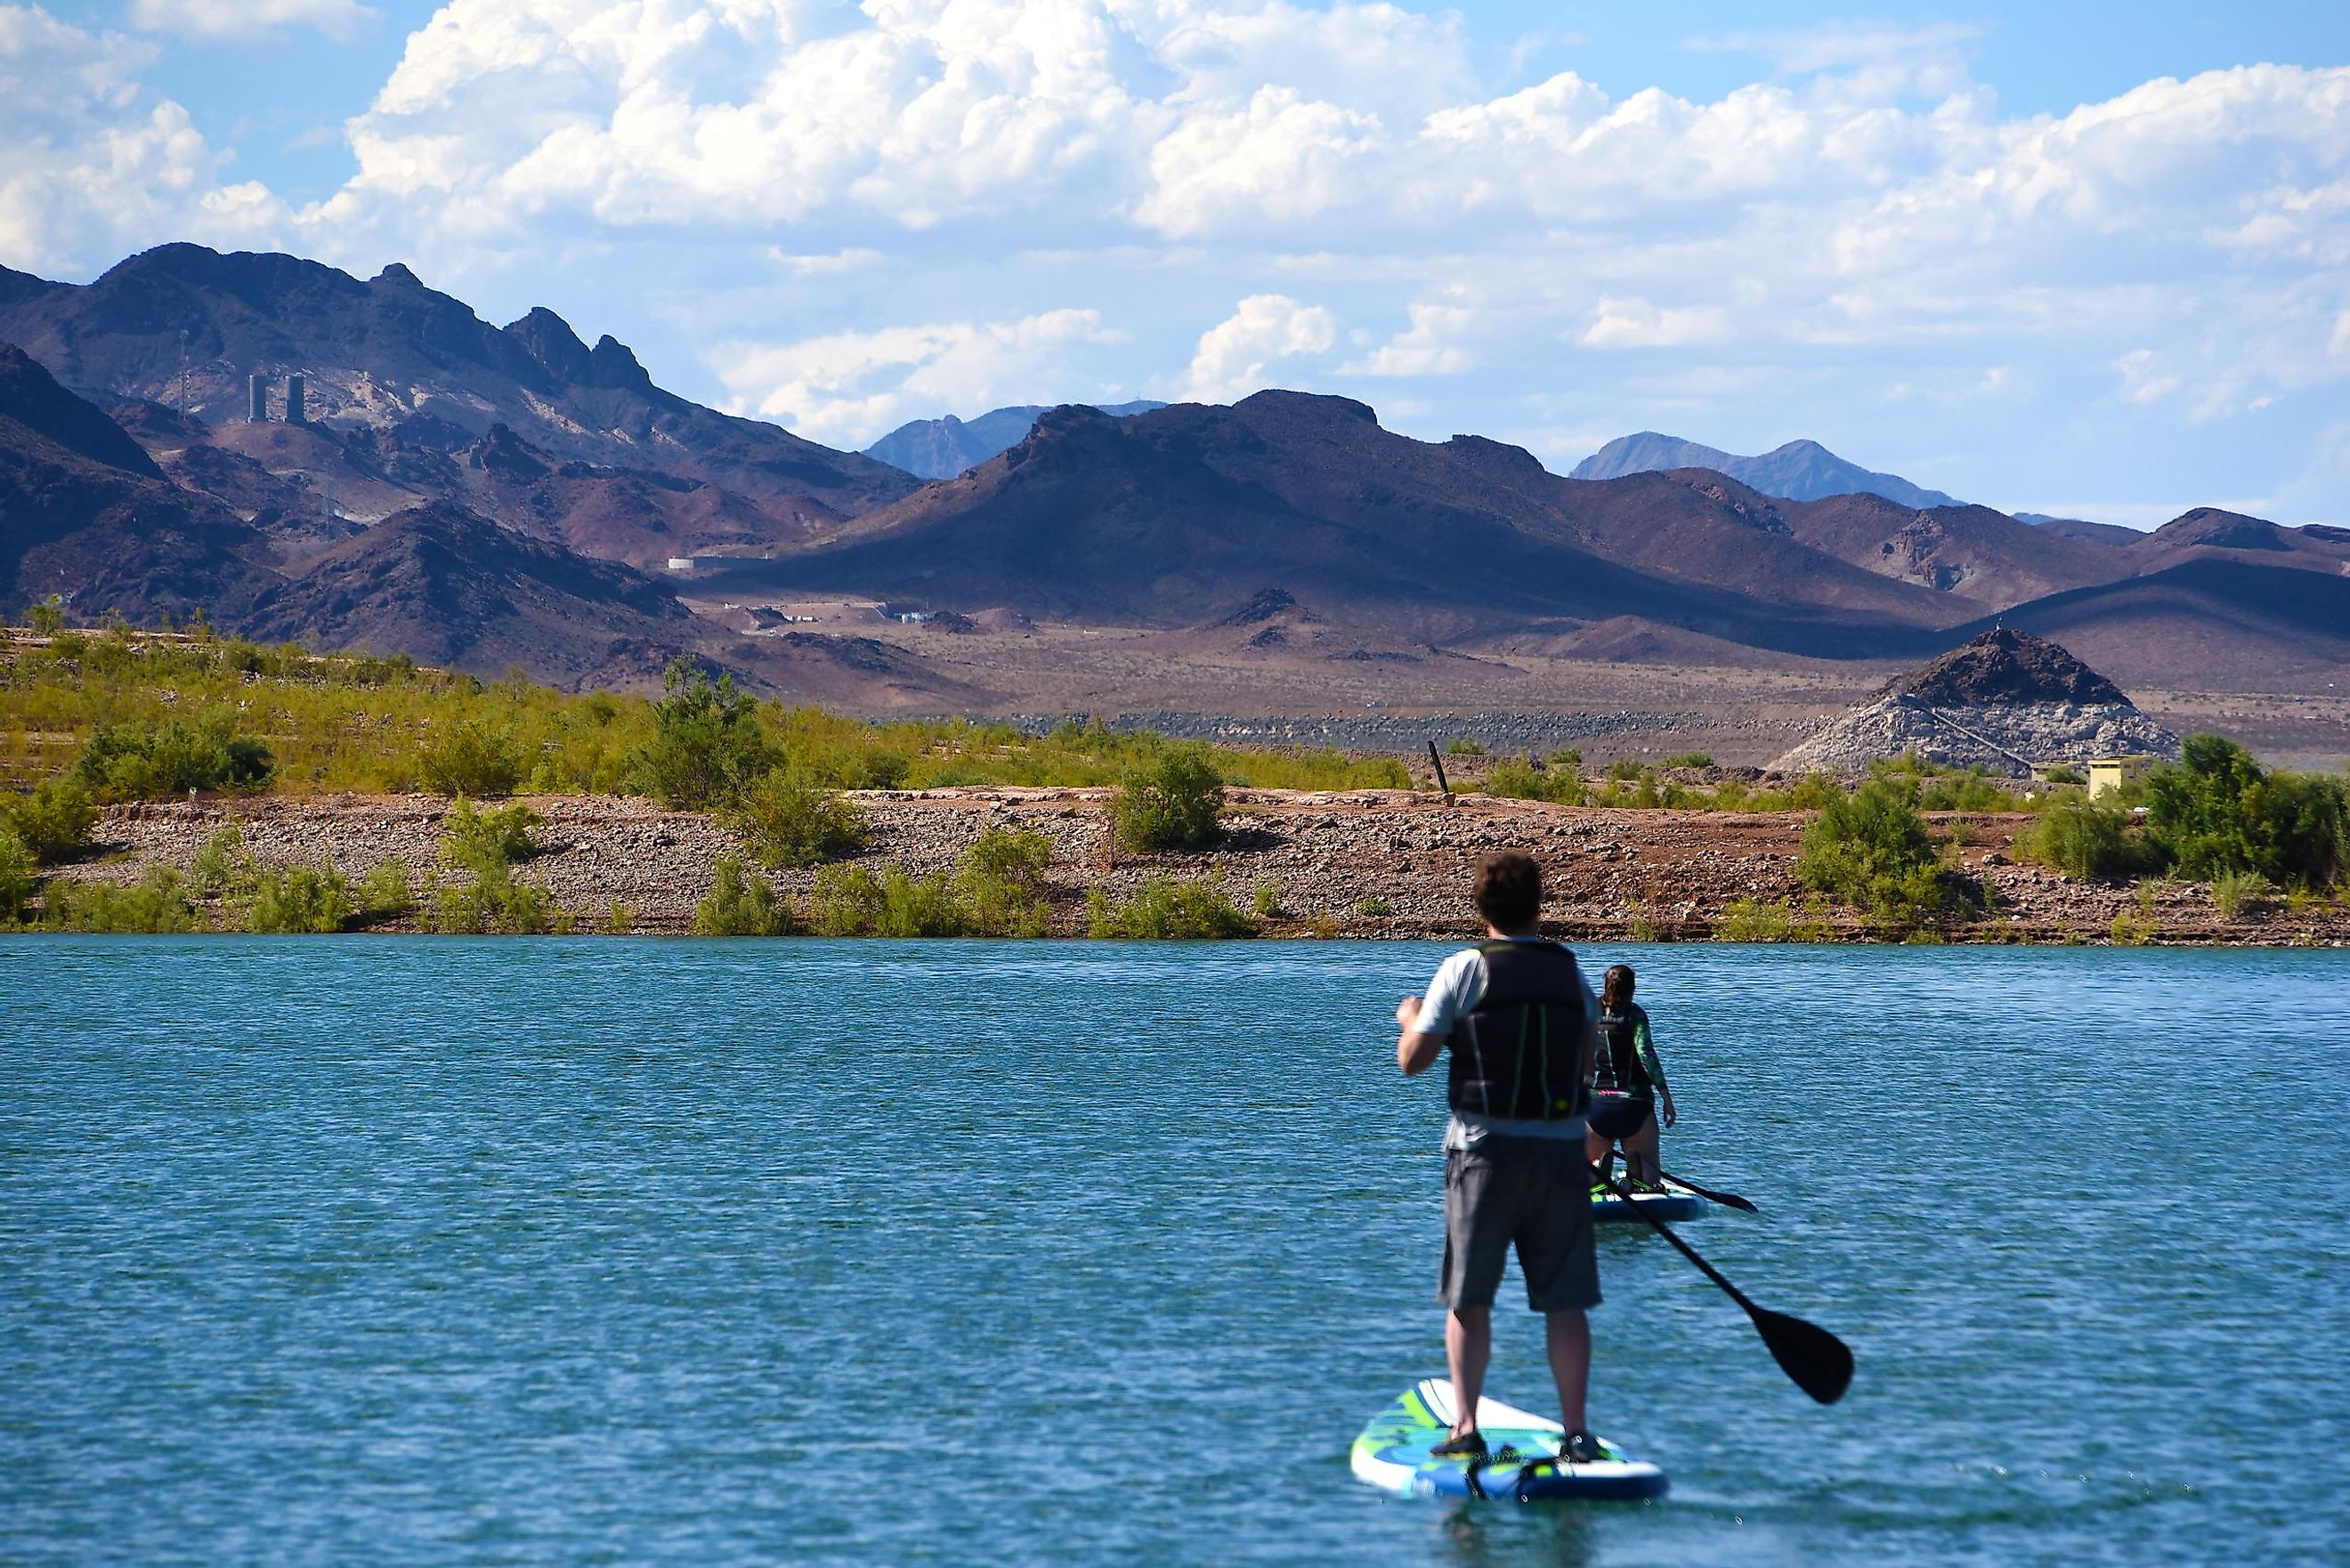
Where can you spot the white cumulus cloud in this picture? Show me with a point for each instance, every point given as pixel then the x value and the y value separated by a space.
pixel 847 388
pixel 1234 355
pixel 251 18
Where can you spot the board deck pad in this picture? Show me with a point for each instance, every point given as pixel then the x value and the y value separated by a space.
pixel 1522 1462
pixel 1675 1204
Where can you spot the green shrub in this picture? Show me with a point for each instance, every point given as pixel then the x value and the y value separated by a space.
pixel 46 618
pixel 787 818
pixel 1750 920
pixel 1000 884
pixel 1871 850
pixel 2233 892
pixel 1374 909
pixel 298 900
pixel 1268 900
pixel 124 762
pixel 155 903
pixel 492 902
pixel 387 892
pixel 740 903
pixel 2219 811
pixel 1517 778
pixel 852 901
pixel 220 862
pixel 1464 748
pixel 2083 838
pixel 482 846
pixel 473 757
pixel 1688 759
pixel 1173 803
pixel 474 840
pixel 54 822
pixel 707 748
pixel 1163 910
pixel 17 875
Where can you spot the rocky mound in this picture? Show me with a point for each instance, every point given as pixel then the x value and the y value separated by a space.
pixel 2007 667
pixel 2007 701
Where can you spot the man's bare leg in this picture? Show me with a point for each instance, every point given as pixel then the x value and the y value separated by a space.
pixel 1468 1346
pixel 1569 1336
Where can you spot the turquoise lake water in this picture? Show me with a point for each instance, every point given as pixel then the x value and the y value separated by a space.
pixel 449 1252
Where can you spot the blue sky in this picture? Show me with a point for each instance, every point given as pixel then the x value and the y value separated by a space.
pixel 2091 258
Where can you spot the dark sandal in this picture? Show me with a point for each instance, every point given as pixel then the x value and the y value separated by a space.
pixel 1469 1444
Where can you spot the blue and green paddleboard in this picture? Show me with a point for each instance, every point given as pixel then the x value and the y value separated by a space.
pixel 1521 1463
pixel 1673 1205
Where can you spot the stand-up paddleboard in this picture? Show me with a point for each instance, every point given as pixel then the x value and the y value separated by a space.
pixel 1673 1205
pixel 1521 1462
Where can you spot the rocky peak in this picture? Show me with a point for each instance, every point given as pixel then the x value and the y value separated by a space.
pixel 31 396
pixel 612 363
pixel 2003 666
pixel 548 338
pixel 399 274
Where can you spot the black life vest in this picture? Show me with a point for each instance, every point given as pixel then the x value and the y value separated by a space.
pixel 1617 1068
pixel 1519 1053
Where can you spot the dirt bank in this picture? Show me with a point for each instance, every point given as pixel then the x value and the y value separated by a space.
pixel 1370 863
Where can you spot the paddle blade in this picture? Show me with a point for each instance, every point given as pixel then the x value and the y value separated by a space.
pixel 1820 1363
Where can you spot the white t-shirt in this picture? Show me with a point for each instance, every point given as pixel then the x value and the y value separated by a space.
pixel 1453 995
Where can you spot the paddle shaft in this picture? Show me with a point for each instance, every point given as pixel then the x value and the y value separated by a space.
pixel 1727 1200
pixel 1820 1363
pixel 1707 1270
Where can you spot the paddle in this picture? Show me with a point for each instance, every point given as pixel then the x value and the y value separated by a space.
pixel 1727 1200
pixel 1819 1363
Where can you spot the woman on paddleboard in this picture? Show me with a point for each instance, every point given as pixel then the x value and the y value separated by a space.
pixel 1627 1084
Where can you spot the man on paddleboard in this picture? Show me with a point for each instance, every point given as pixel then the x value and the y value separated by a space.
pixel 1518 1020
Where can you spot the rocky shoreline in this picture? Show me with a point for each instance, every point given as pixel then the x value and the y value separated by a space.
pixel 1364 863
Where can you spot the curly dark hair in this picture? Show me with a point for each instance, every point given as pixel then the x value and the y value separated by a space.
pixel 1508 889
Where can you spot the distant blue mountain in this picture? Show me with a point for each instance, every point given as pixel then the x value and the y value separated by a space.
pixel 1799 471
pixel 942 448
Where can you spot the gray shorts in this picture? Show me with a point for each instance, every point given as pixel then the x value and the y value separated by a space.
pixel 1530 1191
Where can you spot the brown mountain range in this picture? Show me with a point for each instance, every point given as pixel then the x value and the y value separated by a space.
pixel 492 495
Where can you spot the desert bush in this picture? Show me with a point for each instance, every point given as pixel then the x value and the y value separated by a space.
pixel 2083 838
pixel 2217 811
pixel 17 875
pixel 1871 850
pixel 1752 920
pixel 295 902
pixel 1268 900
pixel 706 748
pixel 1165 909
pixel 482 847
pixel 853 902
pixel 1464 748
pixel 1688 759
pixel 1517 778
pixel 1000 884
pixel 1172 803
pixel 473 839
pixel 475 756
pixel 387 892
pixel 740 903
pixel 155 903
pixel 2234 892
pixel 787 818
pixel 126 762
pixel 1374 909
pixel 46 618
pixel 53 822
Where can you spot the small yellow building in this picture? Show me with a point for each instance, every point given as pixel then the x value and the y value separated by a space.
pixel 2112 773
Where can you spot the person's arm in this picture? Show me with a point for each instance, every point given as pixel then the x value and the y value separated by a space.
pixel 1646 1044
pixel 1415 1052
